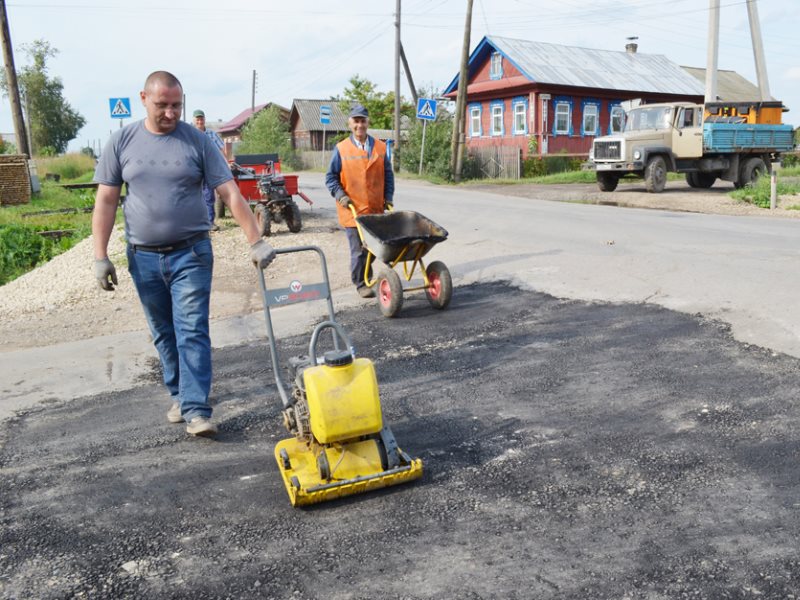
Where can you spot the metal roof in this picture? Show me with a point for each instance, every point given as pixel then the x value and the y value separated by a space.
pixel 308 114
pixel 555 64
pixel 731 86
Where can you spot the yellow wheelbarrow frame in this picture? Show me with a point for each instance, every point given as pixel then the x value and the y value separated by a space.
pixel 402 237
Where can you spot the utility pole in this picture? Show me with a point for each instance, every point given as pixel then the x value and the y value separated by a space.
pixel 461 101
pixel 253 95
pixel 408 74
pixel 712 55
pixel 13 88
pixel 396 149
pixel 758 50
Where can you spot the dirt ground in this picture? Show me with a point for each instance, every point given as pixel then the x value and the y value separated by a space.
pixel 60 301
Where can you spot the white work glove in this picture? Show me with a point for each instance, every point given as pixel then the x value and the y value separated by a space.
pixel 344 201
pixel 261 253
pixel 105 273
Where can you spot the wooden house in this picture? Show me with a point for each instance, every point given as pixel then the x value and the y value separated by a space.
pixel 547 98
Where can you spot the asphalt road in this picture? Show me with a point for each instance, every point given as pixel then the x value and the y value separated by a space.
pixel 572 450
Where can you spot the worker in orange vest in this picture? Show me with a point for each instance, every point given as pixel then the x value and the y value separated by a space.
pixel 360 174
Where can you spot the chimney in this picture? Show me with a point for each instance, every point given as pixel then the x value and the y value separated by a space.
pixel 631 47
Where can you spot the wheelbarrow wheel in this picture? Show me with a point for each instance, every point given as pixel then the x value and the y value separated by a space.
pixel 389 293
pixel 291 215
pixel 440 290
pixel 263 219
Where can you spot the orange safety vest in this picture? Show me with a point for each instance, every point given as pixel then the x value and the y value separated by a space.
pixel 362 179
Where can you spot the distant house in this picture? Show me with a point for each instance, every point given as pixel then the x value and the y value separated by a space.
pixel 231 131
pixel 560 97
pixel 731 87
pixel 307 129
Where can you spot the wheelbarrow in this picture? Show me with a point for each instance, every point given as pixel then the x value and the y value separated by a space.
pixel 403 237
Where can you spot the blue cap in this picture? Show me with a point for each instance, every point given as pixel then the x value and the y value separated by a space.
pixel 359 111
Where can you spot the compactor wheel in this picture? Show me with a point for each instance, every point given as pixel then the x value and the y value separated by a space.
pixel 262 219
pixel 390 293
pixel 440 290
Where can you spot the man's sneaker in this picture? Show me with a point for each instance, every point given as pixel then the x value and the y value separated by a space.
pixel 174 413
pixel 201 426
pixel 365 292
pixel 214 227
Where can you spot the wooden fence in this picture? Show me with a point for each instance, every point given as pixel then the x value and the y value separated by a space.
pixel 494 162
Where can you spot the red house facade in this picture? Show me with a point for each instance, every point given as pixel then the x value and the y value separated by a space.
pixel 548 99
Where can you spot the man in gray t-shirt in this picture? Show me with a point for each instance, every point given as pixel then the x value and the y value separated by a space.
pixel 164 162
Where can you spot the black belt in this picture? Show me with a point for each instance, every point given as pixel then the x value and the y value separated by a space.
pixel 198 237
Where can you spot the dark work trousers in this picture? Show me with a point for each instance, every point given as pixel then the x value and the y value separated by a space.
pixel 358 257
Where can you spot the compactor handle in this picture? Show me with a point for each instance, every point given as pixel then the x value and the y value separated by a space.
pixel 339 331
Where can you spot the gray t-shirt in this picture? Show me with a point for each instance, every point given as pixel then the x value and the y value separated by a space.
pixel 164 174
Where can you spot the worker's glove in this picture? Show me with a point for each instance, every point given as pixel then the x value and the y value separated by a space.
pixel 261 253
pixel 105 273
pixel 387 205
pixel 344 201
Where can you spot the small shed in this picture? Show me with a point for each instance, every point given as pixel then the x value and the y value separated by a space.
pixel 307 129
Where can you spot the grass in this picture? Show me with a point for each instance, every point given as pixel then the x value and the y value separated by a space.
pixel 22 247
pixel 759 194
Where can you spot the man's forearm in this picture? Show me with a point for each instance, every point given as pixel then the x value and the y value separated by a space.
pixel 103 217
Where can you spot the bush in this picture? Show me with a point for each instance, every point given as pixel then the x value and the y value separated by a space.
pixel 538 166
pixel 438 139
pixel 790 159
pixel 759 194
pixel 21 249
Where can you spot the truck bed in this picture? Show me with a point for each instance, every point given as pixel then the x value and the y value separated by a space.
pixel 741 137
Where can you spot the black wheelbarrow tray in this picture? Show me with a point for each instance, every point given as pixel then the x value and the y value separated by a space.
pixel 403 236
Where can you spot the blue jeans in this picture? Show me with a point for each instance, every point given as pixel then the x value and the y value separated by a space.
pixel 208 196
pixel 174 289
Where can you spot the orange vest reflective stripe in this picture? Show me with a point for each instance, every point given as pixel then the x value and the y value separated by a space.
pixel 362 179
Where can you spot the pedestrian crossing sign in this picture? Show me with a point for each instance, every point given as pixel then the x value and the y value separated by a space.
pixel 426 109
pixel 120 108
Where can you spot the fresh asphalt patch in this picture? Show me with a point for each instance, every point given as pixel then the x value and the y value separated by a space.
pixel 571 450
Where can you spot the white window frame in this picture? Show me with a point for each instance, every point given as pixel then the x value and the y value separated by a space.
pixel 496 66
pixel 559 113
pixel 591 111
pixel 616 109
pixel 520 109
pixel 497 114
pixel 475 119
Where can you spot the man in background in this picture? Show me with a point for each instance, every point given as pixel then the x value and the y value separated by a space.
pixel 360 174
pixel 208 193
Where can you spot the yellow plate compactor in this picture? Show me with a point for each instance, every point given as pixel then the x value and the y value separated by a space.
pixel 341 446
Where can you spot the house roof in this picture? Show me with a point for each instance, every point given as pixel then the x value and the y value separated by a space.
pixel 731 86
pixel 236 123
pixel 308 114
pixel 583 67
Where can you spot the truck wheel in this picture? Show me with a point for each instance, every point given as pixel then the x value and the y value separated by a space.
pixel 219 207
pixel 607 182
pixel 262 219
pixel 752 169
pixel 292 217
pixel 704 180
pixel 655 175
pixel 691 179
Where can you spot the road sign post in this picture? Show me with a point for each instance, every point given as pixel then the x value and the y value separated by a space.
pixel 426 111
pixel 324 119
pixel 120 108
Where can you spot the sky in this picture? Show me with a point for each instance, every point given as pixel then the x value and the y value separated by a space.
pixel 309 49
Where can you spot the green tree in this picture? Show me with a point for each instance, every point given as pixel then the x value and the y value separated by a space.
pixel 379 104
pixel 52 121
pixel 438 137
pixel 268 132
